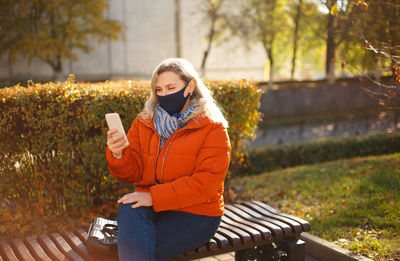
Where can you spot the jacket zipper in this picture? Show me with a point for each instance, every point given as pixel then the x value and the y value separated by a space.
pixel 155 165
pixel 158 151
pixel 165 154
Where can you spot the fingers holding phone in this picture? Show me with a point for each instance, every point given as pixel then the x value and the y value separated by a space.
pixel 116 142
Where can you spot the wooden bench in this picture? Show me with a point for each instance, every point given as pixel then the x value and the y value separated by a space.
pixel 253 230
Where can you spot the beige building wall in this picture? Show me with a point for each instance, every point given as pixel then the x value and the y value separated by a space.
pixel 150 37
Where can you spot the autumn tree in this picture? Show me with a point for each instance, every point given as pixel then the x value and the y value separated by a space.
pixel 307 32
pixel 52 30
pixel 263 22
pixel 378 30
pixel 339 24
pixel 214 17
pixel 297 19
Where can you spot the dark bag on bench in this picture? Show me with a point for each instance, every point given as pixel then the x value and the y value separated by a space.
pixel 102 237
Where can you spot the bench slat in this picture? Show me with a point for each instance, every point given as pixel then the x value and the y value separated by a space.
pixel 64 247
pixel 244 225
pixel 201 249
pixel 221 240
pixel 187 254
pixel 295 225
pixel 50 248
pixel 212 245
pixel 265 232
pixel 244 237
pixel 77 245
pixel 276 229
pixel 306 226
pixel 21 251
pixel 36 250
pixel 6 251
pixel 254 234
pixel 286 228
pixel 234 239
pixel 82 235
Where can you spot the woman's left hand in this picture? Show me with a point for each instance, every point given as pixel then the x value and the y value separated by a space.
pixel 142 199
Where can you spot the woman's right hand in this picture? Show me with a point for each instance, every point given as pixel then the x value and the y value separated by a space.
pixel 116 143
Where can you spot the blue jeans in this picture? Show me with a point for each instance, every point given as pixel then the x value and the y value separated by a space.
pixel 146 235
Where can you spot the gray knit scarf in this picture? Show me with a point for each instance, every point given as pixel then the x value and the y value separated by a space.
pixel 166 125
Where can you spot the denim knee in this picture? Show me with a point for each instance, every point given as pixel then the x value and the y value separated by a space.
pixel 125 211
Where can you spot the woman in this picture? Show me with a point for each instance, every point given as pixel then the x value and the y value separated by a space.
pixel 177 157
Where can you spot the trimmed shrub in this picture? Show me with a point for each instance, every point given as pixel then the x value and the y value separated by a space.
pixel 52 151
pixel 271 158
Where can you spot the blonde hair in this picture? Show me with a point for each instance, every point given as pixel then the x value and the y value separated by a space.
pixel 201 94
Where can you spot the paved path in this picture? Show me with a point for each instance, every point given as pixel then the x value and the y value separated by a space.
pixel 231 257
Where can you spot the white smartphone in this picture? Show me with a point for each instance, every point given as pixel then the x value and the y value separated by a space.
pixel 114 122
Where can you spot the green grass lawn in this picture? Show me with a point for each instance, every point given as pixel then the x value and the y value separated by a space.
pixel 354 203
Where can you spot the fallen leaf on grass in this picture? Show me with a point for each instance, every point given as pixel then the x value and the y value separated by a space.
pixel 281 193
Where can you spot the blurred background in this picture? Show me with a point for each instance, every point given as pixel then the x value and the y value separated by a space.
pixel 311 89
pixel 318 61
pixel 260 40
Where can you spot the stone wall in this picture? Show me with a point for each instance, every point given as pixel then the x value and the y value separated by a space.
pixel 323 99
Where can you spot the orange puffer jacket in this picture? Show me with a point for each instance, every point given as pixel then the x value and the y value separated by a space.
pixel 187 174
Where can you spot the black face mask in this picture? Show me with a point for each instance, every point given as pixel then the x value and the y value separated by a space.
pixel 174 102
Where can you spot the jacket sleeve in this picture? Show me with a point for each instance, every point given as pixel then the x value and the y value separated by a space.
pixel 130 167
pixel 211 168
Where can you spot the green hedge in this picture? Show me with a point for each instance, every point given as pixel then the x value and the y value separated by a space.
pixel 52 151
pixel 271 158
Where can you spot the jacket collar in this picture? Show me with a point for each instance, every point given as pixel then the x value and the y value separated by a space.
pixel 197 122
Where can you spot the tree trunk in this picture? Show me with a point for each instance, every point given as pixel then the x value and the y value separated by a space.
pixel 10 71
pixel 295 39
pixel 58 71
pixel 58 76
pixel 268 51
pixel 177 28
pixel 207 51
pixel 330 51
pixel 271 70
pixel 331 73
pixel 203 63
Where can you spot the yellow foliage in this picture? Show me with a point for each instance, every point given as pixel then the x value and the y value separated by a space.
pixel 334 10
